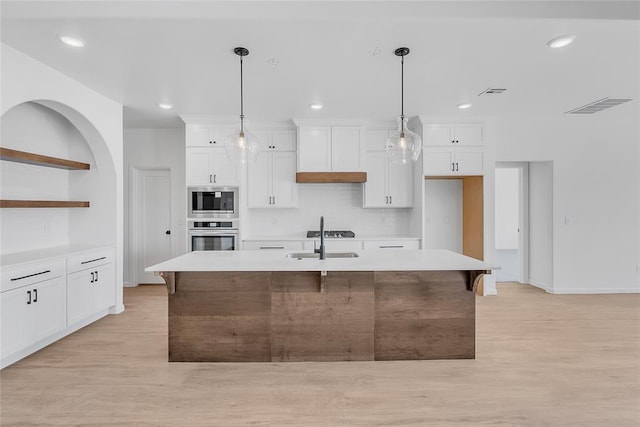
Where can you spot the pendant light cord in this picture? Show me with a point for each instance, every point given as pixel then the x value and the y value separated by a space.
pixel 402 88
pixel 241 99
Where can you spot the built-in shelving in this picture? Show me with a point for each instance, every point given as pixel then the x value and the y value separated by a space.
pixel 40 160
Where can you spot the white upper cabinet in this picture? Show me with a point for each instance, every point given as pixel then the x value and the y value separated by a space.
pixel 330 148
pixel 272 175
pixel 207 135
pixel 388 185
pixel 453 149
pixel 448 134
pixel 210 166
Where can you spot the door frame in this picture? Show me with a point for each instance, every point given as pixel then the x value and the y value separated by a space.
pixel 523 216
pixel 135 217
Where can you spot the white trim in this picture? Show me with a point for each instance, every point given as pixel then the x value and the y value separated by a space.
pixel 585 291
pixel 116 309
pixel 545 287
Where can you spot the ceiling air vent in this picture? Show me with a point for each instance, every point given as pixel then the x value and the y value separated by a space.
pixel 492 91
pixel 599 105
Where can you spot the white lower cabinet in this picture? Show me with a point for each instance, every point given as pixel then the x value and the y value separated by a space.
pixel 263 245
pixel 336 245
pixel 391 244
pixel 32 313
pixel 92 289
pixel 42 301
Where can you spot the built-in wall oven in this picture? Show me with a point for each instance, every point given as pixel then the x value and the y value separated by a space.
pixel 213 235
pixel 212 202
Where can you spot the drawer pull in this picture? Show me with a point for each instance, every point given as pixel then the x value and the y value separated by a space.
pixel 30 275
pixel 93 260
pixel 391 246
pixel 271 247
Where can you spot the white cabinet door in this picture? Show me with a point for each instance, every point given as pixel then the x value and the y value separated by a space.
pixel 15 320
pixel 283 140
pixel 376 139
pixel 437 135
pixel 469 160
pixel 259 182
pixel 197 135
pixel 375 189
pixel 104 291
pixel 346 149
pixel 274 245
pixel 198 166
pixel 283 179
pixel 224 171
pixel 79 295
pixel 468 135
pixel 48 308
pixel 400 185
pixel 314 149
pixel 438 161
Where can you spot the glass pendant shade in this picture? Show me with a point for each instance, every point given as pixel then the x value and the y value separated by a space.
pixel 404 145
pixel 241 146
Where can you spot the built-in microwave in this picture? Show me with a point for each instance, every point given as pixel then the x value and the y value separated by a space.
pixel 212 202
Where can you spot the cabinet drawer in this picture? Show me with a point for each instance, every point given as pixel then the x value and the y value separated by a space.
pixel 13 278
pixel 391 244
pixel 256 245
pixel 89 259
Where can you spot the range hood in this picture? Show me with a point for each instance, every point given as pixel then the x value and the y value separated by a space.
pixel 330 177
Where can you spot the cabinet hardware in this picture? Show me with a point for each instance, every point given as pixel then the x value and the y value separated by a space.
pixel 453 167
pixel 94 260
pixel 167 232
pixel 271 247
pixel 274 200
pixel 29 294
pixel 214 178
pixel 96 276
pixel 210 179
pixel 390 246
pixel 390 200
pixel 457 168
pixel 92 278
pixel 35 295
pixel 30 275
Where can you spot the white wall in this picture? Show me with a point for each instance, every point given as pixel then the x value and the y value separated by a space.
pixel 595 195
pixel 541 225
pixel 341 206
pixel 156 149
pixel 507 212
pixel 99 121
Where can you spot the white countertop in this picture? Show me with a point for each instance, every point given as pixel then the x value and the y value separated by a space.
pixel 17 258
pixel 405 260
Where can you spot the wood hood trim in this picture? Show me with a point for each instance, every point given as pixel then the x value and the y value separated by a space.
pixel 330 177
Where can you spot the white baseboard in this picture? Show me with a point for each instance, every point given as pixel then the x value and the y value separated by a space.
pixel 545 287
pixel 128 285
pixel 567 291
pixel 117 309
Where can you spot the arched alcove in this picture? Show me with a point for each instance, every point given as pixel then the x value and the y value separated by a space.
pixel 54 129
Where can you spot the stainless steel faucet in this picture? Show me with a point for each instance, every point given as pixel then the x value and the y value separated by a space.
pixel 321 251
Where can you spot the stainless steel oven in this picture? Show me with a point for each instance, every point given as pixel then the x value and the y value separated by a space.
pixel 213 202
pixel 214 235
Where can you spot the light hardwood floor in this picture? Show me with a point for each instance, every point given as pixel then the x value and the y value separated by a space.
pixel 542 360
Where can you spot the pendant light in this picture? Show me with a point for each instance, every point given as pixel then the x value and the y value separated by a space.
pixel 403 146
pixel 241 145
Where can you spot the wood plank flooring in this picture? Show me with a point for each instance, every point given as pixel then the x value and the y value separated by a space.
pixel 542 360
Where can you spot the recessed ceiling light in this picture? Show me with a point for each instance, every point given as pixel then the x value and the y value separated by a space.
pixel 165 106
pixel 316 106
pixel 73 41
pixel 561 41
pixel 464 106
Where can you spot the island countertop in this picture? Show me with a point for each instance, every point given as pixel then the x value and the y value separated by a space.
pixel 389 260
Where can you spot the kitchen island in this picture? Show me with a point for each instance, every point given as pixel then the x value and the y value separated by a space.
pixel 241 306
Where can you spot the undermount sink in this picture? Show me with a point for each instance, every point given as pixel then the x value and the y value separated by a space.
pixel 301 255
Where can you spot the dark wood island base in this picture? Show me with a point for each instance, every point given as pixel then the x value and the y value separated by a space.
pixel 315 316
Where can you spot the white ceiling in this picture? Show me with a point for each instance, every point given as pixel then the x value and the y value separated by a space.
pixel 140 53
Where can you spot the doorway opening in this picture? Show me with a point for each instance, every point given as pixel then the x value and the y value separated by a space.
pixel 512 221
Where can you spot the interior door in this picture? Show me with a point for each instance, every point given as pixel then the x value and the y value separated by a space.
pixel 154 221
